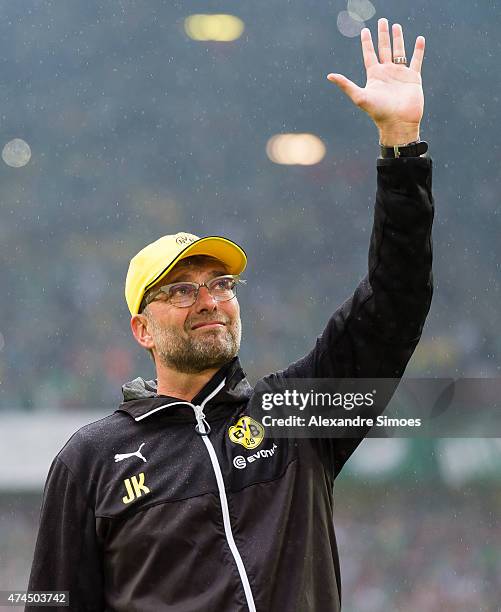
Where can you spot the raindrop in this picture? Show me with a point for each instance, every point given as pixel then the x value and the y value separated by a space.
pixel 16 153
pixel 361 10
pixel 348 26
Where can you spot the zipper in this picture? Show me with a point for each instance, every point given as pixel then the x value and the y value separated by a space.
pixel 203 429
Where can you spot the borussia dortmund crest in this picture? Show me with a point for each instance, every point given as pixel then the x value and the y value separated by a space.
pixel 247 432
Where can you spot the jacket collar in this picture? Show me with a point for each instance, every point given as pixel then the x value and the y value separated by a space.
pixel 140 395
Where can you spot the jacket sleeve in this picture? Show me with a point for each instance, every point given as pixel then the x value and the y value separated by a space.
pixel 374 333
pixel 66 552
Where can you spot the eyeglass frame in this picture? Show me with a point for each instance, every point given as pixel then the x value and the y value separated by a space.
pixel 148 299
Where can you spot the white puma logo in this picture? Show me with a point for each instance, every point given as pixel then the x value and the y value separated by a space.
pixel 119 457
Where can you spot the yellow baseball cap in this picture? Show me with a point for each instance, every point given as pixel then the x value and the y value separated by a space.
pixel 157 259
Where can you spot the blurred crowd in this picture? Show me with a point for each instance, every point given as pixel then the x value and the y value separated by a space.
pixel 396 554
pixel 137 131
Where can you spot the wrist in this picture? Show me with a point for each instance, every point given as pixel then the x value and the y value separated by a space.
pixel 391 136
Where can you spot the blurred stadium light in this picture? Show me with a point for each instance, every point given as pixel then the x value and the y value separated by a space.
pixel 220 28
pixel 295 149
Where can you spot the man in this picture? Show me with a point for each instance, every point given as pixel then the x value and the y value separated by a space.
pixel 166 504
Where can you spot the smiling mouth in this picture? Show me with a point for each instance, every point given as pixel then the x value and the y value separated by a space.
pixel 208 325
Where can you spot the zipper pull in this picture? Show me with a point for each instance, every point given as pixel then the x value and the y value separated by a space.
pixel 202 427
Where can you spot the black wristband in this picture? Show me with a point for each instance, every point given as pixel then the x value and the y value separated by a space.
pixel 411 149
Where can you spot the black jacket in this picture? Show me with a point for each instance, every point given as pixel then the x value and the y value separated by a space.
pixel 183 526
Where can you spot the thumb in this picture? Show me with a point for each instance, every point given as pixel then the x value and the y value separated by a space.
pixel 354 92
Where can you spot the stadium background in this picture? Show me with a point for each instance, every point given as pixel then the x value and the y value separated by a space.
pixel 135 130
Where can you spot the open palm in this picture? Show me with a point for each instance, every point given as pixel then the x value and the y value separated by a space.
pixel 393 93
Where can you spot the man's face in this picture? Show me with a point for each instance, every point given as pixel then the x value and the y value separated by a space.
pixel 202 336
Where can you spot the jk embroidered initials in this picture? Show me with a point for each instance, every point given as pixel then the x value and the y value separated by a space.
pixel 135 487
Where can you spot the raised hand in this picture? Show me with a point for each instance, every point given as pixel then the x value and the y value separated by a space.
pixel 393 94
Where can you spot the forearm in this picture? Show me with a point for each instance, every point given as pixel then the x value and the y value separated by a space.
pixel 400 255
pixel 374 333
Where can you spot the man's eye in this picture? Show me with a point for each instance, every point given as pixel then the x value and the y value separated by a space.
pixel 180 290
pixel 224 284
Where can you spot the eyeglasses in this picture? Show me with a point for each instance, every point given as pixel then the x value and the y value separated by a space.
pixel 182 295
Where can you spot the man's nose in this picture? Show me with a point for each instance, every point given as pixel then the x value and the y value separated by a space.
pixel 205 301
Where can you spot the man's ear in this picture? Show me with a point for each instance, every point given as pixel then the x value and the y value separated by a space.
pixel 139 327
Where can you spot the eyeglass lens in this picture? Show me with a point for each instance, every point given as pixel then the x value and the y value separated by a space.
pixel 185 294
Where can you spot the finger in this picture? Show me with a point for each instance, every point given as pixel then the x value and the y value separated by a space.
pixel 398 41
pixel 370 57
pixel 354 92
pixel 384 45
pixel 418 55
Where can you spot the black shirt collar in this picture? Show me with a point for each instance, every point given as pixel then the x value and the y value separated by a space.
pixel 236 389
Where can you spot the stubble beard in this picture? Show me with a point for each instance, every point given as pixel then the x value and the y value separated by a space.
pixel 199 351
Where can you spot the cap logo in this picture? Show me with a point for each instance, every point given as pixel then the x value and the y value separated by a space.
pixel 184 239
